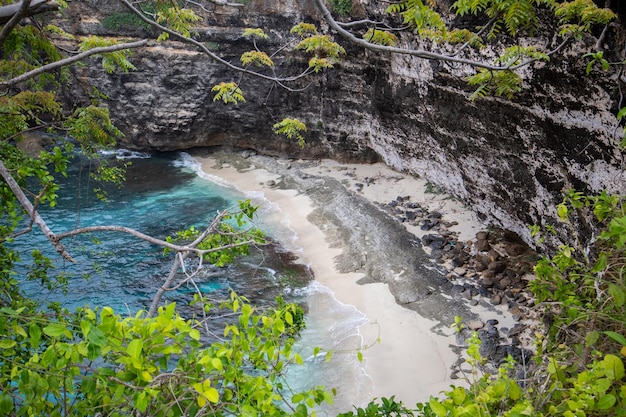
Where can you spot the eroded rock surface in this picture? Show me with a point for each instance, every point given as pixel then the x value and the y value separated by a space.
pixel 510 160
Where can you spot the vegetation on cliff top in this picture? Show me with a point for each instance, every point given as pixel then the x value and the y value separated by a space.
pixel 94 362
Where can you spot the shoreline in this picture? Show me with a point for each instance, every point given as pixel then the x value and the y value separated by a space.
pixel 331 207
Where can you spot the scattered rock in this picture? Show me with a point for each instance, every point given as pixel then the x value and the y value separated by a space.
pixel 475 325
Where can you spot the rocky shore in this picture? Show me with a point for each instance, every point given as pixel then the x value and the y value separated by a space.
pixel 435 258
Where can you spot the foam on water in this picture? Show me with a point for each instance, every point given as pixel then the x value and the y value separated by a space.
pixel 332 326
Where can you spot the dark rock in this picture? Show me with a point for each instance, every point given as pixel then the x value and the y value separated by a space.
pixel 434 215
pixel 411 215
pixel 426 225
pixel 496 300
pixel 482 245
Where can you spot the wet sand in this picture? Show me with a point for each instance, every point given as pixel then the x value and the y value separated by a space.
pixel 407 348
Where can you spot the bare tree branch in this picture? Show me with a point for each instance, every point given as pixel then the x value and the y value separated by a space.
pixel 30 8
pixel 70 60
pixel 210 54
pixel 14 20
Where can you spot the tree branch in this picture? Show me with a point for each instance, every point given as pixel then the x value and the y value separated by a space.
pixel 34 215
pixel 70 60
pixel 212 55
pixel 419 53
pixel 14 20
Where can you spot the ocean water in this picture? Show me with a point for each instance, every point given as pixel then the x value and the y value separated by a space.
pixel 163 194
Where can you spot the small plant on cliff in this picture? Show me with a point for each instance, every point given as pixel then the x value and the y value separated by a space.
pixel 292 129
pixel 342 7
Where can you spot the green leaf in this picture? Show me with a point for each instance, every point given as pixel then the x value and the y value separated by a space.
pixel 614 367
pixel 134 348
pixel 96 337
pixel 6 404
pixel 591 338
pixel 618 294
pixel 606 402
pixel 55 330
pixel 7 343
pixel 437 407
pixel 616 336
pixel 194 334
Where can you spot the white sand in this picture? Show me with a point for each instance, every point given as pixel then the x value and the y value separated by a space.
pixel 410 361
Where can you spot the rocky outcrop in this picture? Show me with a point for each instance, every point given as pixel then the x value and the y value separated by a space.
pixel 510 160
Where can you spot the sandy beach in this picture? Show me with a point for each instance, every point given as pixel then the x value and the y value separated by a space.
pixel 410 354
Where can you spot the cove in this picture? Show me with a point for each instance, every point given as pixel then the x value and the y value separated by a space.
pixel 167 192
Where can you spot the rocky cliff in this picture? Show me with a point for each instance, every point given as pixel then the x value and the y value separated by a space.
pixel 510 160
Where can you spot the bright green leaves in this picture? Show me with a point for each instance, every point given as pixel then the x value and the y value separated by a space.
pixel 499 83
pixel 228 93
pixel 93 128
pixel 504 83
pixel 258 58
pixel 292 129
pixel 26 108
pixel 515 15
pixel 255 33
pixel 111 61
pixel 207 393
pixel 380 37
pixel 304 30
pixel 149 364
pixel 228 239
pixel 419 15
pixel 325 51
pixel 579 16
pixel 597 58
pixel 179 20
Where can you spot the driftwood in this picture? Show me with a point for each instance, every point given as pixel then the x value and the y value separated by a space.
pixel 36 7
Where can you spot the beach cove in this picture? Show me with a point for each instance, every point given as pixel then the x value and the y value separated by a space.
pixel 369 260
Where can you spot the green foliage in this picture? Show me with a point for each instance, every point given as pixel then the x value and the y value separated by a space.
pixel 111 61
pixel 380 37
pixel 292 129
pixel 419 15
pixel 74 364
pixel 119 21
pixel 620 116
pixel 504 82
pixel 587 284
pixel 304 30
pixel 387 407
pixel 177 19
pixel 500 83
pixel 229 241
pixel 597 58
pixel 228 93
pixel 325 51
pixel 579 16
pixel 342 7
pixel 258 58
pixel 255 33
pixel 515 15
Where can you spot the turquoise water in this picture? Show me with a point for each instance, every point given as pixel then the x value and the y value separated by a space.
pixel 166 193
pixel 161 195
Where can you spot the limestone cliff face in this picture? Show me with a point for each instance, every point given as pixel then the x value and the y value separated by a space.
pixel 510 160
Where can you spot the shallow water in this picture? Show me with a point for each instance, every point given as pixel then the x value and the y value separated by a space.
pixel 166 193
